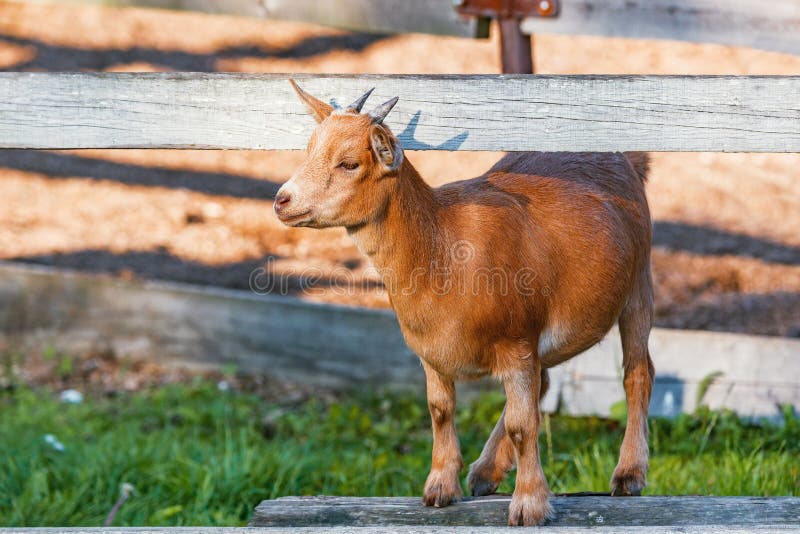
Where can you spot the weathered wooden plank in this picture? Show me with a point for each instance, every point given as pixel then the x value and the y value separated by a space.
pixel 549 113
pixel 393 529
pixel 390 16
pixel 585 511
pixel 773 25
pixel 341 347
pixel 376 16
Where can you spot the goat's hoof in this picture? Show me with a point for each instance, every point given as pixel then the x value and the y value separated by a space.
pixel 480 485
pixel 628 483
pixel 441 489
pixel 529 509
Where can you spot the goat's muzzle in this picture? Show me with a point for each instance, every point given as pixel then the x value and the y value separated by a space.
pixel 282 200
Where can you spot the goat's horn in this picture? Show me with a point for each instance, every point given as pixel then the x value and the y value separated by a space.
pixel 359 103
pixel 379 113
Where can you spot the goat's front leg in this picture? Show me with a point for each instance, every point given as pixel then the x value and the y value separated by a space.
pixel 530 503
pixel 442 486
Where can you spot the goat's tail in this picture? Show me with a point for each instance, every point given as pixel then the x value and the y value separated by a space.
pixel 640 161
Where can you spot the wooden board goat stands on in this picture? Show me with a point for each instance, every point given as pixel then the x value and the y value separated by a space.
pixel 713 513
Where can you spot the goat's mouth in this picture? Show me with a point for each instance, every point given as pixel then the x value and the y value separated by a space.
pixel 295 219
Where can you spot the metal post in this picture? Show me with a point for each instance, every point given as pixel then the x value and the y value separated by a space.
pixel 516 48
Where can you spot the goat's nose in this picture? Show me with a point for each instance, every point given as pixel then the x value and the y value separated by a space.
pixel 282 199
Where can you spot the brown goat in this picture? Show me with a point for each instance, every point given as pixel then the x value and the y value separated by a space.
pixel 507 274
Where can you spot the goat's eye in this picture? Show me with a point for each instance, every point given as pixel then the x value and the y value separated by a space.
pixel 349 165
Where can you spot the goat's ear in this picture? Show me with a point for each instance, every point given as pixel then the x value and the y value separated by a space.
pixel 315 107
pixel 386 147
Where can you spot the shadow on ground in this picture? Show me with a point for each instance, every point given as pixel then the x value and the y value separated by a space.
pixel 705 240
pixel 159 264
pixel 56 165
pixel 774 314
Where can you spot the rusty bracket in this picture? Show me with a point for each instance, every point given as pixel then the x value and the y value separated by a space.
pixel 516 53
pixel 504 9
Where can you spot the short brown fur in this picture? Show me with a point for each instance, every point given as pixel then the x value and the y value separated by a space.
pixel 506 274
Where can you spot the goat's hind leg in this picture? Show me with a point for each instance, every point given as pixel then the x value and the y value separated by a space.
pixel 630 476
pixel 496 460
pixel 497 457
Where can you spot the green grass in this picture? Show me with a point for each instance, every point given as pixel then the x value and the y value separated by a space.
pixel 197 456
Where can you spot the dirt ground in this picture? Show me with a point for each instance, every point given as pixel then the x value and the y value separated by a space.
pixel 727 226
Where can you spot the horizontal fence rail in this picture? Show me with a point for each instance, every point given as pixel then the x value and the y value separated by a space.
pixel 489 112
pixel 773 25
pixel 377 16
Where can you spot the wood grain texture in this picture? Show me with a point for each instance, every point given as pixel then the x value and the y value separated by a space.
pixel 773 25
pixel 343 347
pixel 587 511
pixel 506 112
pixel 375 16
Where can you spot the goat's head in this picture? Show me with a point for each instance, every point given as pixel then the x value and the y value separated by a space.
pixel 351 161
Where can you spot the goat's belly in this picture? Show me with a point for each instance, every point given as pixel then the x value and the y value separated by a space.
pixel 559 343
pixel 454 363
pixel 450 355
pixel 555 357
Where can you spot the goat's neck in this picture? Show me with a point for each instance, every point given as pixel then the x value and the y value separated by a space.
pixel 405 241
